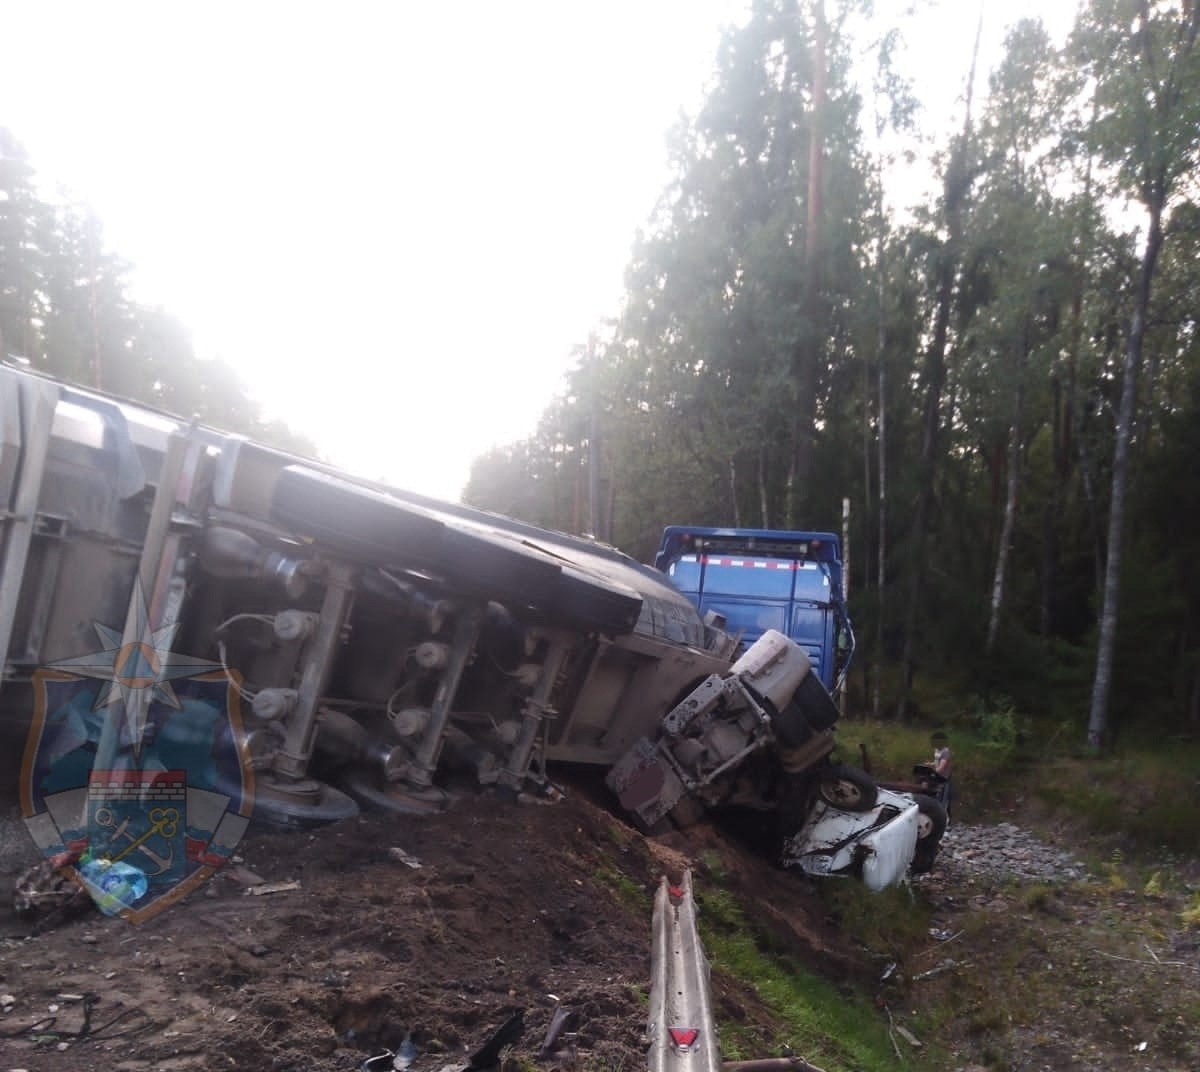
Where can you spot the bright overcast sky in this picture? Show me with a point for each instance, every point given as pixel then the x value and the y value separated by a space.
pixel 395 219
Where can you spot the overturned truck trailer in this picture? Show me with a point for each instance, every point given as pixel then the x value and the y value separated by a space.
pixel 373 640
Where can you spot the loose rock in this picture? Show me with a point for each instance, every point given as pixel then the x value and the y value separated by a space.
pixel 1004 852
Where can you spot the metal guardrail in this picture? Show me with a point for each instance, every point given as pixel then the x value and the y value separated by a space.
pixel 680 1028
pixel 683 1037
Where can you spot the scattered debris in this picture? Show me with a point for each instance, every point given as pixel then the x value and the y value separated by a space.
pixel 272 887
pixel 44 1029
pixel 406 1053
pixel 403 857
pixel 944 966
pixel 388 1061
pixel 47 895
pixel 113 884
pixel 1155 963
pixel 563 1017
pixel 243 876
pixel 549 794
pixel 771 1064
pixel 488 1055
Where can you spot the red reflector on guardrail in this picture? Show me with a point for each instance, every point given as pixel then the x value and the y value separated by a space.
pixel 683 1036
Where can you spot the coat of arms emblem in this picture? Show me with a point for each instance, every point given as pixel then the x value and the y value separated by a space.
pixel 135 781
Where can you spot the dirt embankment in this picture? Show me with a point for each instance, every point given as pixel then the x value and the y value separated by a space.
pixel 514 907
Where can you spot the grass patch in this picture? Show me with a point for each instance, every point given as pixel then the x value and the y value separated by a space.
pixel 891 922
pixel 621 836
pixel 837 1031
pixel 988 756
pixel 630 894
pixel 639 994
pixel 1139 794
pixel 1142 797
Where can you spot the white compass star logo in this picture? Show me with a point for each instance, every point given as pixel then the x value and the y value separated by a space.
pixel 139 671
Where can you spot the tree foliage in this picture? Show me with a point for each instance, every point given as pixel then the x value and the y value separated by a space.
pixel 66 308
pixel 989 331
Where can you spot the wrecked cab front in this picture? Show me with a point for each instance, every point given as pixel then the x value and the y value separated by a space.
pixel 876 846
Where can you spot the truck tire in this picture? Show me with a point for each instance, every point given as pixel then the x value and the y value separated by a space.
pixel 279 813
pixel 847 788
pixel 365 787
pixel 931 825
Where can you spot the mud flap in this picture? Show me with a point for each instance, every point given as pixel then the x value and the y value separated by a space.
pixel 644 783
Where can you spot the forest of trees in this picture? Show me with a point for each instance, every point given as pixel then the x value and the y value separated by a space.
pixel 66 308
pixel 1005 382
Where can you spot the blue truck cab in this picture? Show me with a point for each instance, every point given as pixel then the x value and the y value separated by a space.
pixel 760 579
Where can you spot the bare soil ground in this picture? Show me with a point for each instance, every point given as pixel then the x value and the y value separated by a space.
pixel 528 907
pixel 513 907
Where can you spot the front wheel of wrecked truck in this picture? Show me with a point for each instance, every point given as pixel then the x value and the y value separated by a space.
pixel 847 789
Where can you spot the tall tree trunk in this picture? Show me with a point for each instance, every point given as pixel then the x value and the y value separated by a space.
pixel 610 508
pixel 1102 684
pixel 763 498
pixel 935 379
pixel 1194 699
pixel 1064 417
pixel 1050 515
pixel 806 354
pixel 868 476
pixel 578 493
pixel 1093 510
pixel 881 550
pixel 595 521
pixel 733 494
pixel 97 377
pixel 1010 497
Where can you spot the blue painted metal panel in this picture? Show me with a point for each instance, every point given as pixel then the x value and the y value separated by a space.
pixel 760 579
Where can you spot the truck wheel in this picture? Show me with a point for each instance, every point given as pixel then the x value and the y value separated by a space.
pixel 366 788
pixel 931 818
pixel 847 789
pixel 931 825
pixel 282 813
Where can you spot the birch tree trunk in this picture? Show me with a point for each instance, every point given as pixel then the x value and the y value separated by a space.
pixel 1010 500
pixel 806 355
pixel 1159 85
pixel 1102 683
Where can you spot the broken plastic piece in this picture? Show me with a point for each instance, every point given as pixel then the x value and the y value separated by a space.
pixel 114 886
pixel 488 1055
